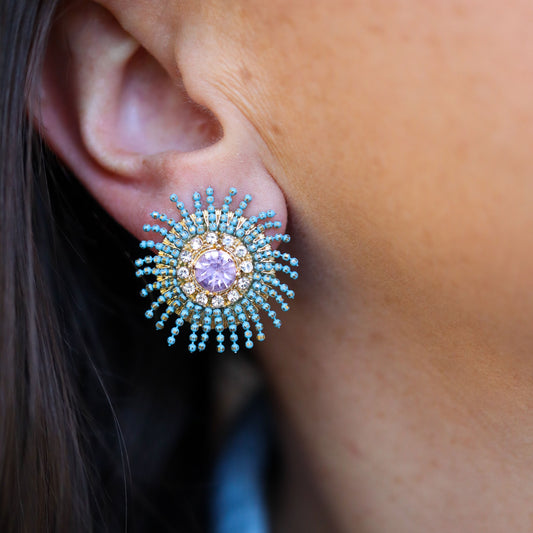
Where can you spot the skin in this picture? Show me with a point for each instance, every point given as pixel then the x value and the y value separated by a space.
pixel 399 134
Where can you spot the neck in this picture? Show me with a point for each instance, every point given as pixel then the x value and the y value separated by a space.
pixel 383 411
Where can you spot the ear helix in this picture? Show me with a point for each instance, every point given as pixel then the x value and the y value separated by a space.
pixel 216 270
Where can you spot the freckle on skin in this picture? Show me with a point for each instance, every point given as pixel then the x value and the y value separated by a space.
pixel 353 448
pixel 375 29
pixel 375 337
pixel 246 75
pixel 276 130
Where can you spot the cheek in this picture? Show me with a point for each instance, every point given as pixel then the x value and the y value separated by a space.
pixel 403 139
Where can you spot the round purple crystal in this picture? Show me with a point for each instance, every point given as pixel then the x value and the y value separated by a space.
pixel 215 270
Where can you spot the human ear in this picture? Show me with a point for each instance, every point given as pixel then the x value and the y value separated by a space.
pixel 123 122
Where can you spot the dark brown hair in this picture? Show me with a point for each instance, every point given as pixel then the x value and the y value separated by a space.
pixel 99 431
pixel 38 427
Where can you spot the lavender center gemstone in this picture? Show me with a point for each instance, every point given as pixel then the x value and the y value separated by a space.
pixel 215 270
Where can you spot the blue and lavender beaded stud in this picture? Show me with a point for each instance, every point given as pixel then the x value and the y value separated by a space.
pixel 216 270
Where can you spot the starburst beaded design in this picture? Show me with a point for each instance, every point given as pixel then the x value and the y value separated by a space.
pixel 216 270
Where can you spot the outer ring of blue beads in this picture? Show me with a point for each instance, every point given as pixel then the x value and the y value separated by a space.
pixel 179 298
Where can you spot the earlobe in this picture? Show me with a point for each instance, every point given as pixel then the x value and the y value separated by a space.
pixel 128 130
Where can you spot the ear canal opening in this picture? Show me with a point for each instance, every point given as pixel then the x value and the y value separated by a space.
pixel 157 115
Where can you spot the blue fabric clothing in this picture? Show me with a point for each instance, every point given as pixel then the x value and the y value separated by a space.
pixel 238 503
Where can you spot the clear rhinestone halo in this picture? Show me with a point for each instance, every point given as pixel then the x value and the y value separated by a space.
pixel 216 270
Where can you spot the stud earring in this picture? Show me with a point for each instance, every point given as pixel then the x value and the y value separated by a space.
pixel 216 270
